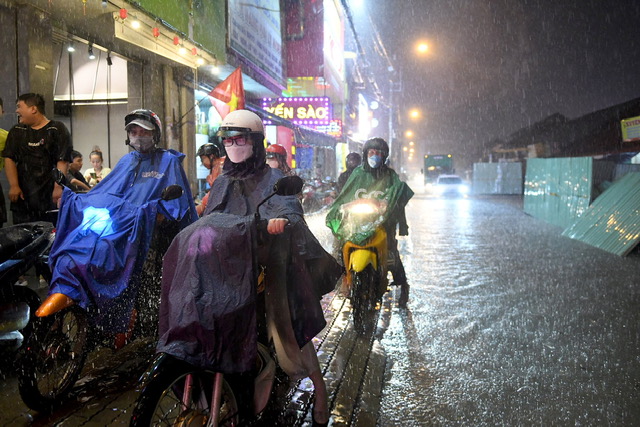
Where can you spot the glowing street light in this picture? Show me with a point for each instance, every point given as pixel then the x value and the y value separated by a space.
pixel 422 48
pixel 409 134
pixel 414 114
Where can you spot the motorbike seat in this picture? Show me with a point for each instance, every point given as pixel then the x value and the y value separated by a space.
pixel 18 237
pixel 12 239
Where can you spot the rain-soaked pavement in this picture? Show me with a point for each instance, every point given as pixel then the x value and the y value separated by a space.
pixel 508 323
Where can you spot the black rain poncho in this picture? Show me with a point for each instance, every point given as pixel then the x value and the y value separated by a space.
pixel 208 310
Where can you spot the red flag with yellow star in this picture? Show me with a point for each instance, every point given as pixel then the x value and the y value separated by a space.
pixel 229 94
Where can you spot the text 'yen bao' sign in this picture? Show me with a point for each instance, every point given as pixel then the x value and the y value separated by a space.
pixel 631 129
pixel 306 110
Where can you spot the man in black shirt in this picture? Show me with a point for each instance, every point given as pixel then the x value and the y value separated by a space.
pixel 34 147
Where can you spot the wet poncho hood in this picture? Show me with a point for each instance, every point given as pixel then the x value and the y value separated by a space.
pixel 385 185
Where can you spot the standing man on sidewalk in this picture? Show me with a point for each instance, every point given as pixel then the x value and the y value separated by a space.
pixel 35 146
pixel 3 141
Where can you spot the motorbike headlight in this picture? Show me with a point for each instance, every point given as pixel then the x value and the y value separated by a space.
pixel 362 209
pixel 97 220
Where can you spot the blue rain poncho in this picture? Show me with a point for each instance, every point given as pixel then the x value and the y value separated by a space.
pixel 103 236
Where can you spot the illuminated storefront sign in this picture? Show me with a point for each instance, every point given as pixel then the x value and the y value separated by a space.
pixel 308 111
pixel 334 128
pixel 631 129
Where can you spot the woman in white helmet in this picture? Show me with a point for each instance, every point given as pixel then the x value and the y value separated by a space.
pixel 298 270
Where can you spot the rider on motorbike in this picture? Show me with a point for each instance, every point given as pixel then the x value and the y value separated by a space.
pixel 103 236
pixel 374 179
pixel 207 285
pixel 352 161
pixel 212 157
pixel 277 159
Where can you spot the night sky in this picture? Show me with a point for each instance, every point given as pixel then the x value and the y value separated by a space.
pixel 495 66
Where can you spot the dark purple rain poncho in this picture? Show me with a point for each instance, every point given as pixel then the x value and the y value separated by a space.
pixel 208 308
pixel 103 236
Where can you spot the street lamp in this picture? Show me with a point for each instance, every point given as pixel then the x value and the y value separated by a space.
pixel 409 134
pixel 422 48
pixel 414 114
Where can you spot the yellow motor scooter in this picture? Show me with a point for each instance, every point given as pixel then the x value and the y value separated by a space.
pixel 365 263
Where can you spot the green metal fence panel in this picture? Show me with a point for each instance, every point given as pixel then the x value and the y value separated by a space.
pixel 497 178
pixel 558 190
pixel 612 222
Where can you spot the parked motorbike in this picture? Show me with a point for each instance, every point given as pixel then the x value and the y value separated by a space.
pixel 54 356
pixel 22 247
pixel 366 264
pixel 174 392
pixel 317 194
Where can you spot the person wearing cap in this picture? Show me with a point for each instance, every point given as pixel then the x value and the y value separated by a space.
pixel 277 159
pixel 105 235
pixel 216 253
pixel 34 147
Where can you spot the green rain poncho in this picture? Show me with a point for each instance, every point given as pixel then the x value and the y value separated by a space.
pixel 362 184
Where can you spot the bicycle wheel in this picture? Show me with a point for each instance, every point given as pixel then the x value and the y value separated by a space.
pixel 164 401
pixel 53 358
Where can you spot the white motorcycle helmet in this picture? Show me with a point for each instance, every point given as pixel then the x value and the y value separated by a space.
pixel 240 122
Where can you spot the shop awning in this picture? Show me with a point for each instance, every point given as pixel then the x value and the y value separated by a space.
pixel 303 135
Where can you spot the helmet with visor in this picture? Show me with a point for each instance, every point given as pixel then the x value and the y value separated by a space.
pixel 238 127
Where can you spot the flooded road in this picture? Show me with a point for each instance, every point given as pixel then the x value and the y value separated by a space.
pixel 510 323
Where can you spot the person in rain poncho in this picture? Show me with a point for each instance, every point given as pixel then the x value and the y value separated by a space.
pixel 103 236
pixel 374 179
pixel 212 158
pixel 208 312
pixel 353 160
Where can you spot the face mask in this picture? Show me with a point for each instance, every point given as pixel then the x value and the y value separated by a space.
pixel 239 154
pixel 374 161
pixel 143 144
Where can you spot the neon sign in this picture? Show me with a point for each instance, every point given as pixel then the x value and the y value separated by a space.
pixel 306 110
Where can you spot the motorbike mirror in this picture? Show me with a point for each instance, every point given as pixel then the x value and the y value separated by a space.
pixel 171 192
pixel 288 186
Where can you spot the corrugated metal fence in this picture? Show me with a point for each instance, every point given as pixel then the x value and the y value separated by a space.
pixel 497 178
pixel 612 222
pixel 558 190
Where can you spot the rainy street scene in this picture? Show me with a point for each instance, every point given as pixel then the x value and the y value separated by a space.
pixel 508 322
pixel 319 213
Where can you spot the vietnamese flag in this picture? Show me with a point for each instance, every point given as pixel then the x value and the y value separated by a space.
pixel 229 94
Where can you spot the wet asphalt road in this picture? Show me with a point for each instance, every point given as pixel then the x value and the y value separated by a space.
pixel 510 323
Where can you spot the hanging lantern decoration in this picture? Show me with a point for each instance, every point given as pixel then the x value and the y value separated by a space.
pixel 156 33
pixel 194 51
pixel 176 40
pixel 122 15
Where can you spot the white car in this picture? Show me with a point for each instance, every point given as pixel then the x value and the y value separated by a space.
pixel 450 185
